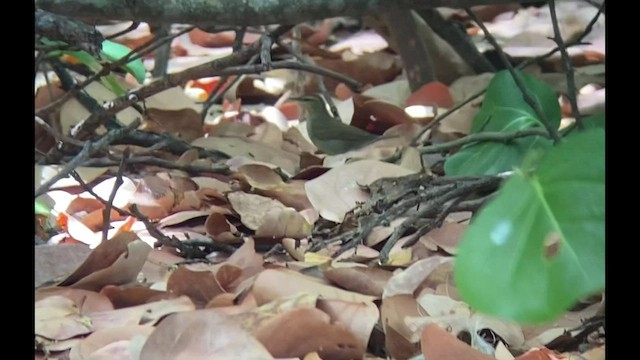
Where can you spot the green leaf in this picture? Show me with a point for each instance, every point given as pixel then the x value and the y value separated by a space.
pixel 594 121
pixel 42 208
pixel 505 110
pixel 113 52
pixel 501 267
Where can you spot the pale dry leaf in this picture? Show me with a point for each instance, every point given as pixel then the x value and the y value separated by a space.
pixel 53 261
pixel 280 223
pixel 201 334
pixel 57 318
pixel 380 233
pixel 250 149
pixel 98 340
pixel 211 183
pixel 253 208
pixel 199 286
pixel 296 248
pixel 446 237
pixel 272 284
pixel 219 228
pixel 139 315
pixel 268 134
pixel 181 217
pixel 153 197
pixel 345 183
pixel 360 253
pixel 86 301
pixel 359 318
pixel 408 280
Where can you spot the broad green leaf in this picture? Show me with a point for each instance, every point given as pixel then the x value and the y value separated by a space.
pixel 501 267
pixel 505 110
pixel 594 121
pixel 113 52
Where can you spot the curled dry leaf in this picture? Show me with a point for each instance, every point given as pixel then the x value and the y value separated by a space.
pixel 201 335
pixel 86 301
pixel 139 315
pixel 220 229
pixel 199 286
pixel 380 233
pixel 272 284
pixel 300 331
pixel 446 237
pixel 359 318
pixel 123 271
pixel 95 345
pixel 181 217
pixel 57 318
pixel 296 248
pixel 367 281
pixel 101 257
pixel 344 184
pixel 122 297
pixel 407 281
pixel 359 253
pixel 264 181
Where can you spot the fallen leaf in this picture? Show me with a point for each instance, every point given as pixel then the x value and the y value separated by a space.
pixel 122 297
pixel 407 281
pixel 201 334
pixel 367 281
pixel 398 339
pixel 272 284
pixel 280 223
pixel 250 149
pixel 86 301
pixel 45 172
pixel 57 318
pixel 154 197
pixel 300 331
pixel 446 237
pixel 344 184
pixel 93 346
pixel 123 271
pixel 53 261
pixel 253 208
pixel 220 229
pixel 359 318
pixel 200 286
pixel 139 315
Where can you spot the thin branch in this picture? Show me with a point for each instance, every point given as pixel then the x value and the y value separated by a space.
pixel 56 134
pixel 107 210
pixel 74 174
pixel 154 161
pixel 88 149
pixel 134 25
pixel 571 81
pixel 528 98
pixel 481 137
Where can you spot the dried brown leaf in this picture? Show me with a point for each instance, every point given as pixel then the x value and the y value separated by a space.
pixel 101 343
pixel 367 281
pixel 359 318
pixel 201 335
pixel 57 318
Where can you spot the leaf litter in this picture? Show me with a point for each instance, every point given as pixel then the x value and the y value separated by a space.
pixel 264 289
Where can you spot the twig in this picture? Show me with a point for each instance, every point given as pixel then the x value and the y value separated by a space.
pixel 134 25
pixel 189 252
pixel 161 58
pixel 169 143
pixel 528 98
pixel 88 149
pixel 74 174
pixel 56 134
pixel 571 81
pixel 107 210
pixel 482 136
pixel 154 161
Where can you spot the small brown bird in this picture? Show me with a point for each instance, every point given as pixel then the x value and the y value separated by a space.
pixel 327 133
